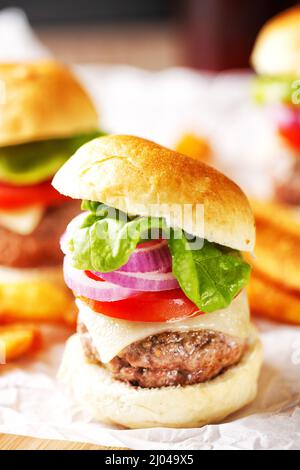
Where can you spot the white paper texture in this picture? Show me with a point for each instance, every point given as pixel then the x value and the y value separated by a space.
pixel 163 106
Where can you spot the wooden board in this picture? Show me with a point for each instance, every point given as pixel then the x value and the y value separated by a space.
pixel 12 442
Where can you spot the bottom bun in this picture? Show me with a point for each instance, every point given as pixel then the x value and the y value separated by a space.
pixel 114 402
pixel 36 294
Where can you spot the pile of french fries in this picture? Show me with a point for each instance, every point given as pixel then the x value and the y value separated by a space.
pixel 274 289
pixel 20 332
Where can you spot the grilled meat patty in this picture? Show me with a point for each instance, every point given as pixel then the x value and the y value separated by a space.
pixel 40 248
pixel 171 358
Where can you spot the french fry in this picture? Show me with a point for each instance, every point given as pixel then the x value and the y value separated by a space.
pixel 273 301
pixel 278 215
pixel 195 147
pixel 17 340
pixel 277 249
pixel 36 301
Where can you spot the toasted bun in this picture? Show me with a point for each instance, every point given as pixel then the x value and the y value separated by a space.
pixel 140 177
pixel 277 47
pixel 42 100
pixel 38 294
pixel 114 402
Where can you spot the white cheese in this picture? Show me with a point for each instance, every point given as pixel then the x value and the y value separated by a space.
pixel 111 335
pixel 22 221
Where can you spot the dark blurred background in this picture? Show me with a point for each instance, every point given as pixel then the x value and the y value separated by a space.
pixel 206 34
pixel 71 11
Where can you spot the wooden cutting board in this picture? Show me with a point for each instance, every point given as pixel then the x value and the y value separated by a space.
pixel 12 442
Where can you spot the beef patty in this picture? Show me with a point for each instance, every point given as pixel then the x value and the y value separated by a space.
pixel 40 248
pixel 170 358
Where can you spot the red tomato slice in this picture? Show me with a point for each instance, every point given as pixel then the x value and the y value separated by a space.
pixel 14 197
pixel 162 306
pixel 149 244
pixel 287 120
pixel 93 276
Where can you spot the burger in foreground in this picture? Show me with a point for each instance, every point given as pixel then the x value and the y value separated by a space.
pixel 276 59
pixel 45 117
pixel 164 337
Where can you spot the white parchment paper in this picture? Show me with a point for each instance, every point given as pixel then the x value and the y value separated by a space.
pixel 163 106
pixel 32 403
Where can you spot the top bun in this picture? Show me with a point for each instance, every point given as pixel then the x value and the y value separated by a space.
pixel 42 100
pixel 277 47
pixel 140 177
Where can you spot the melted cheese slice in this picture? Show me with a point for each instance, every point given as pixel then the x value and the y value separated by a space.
pixel 111 335
pixel 22 221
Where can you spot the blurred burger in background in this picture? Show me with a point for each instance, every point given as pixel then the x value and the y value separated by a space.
pixel 45 116
pixel 275 284
pixel 276 59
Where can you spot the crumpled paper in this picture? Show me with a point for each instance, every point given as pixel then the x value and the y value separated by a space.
pixel 162 106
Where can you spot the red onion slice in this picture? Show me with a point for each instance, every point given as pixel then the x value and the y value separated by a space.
pixel 84 286
pixel 147 282
pixel 153 258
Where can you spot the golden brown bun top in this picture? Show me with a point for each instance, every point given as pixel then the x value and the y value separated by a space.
pixel 42 100
pixel 277 47
pixel 140 177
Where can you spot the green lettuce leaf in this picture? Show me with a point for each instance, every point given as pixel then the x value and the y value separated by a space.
pixel 33 162
pixel 272 90
pixel 210 277
pixel 107 237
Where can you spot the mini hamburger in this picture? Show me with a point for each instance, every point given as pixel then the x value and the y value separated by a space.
pixel 276 59
pixel 45 116
pixel 164 337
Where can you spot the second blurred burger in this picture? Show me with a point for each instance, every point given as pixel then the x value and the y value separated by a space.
pixel 45 116
pixel 276 58
pixel 274 290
